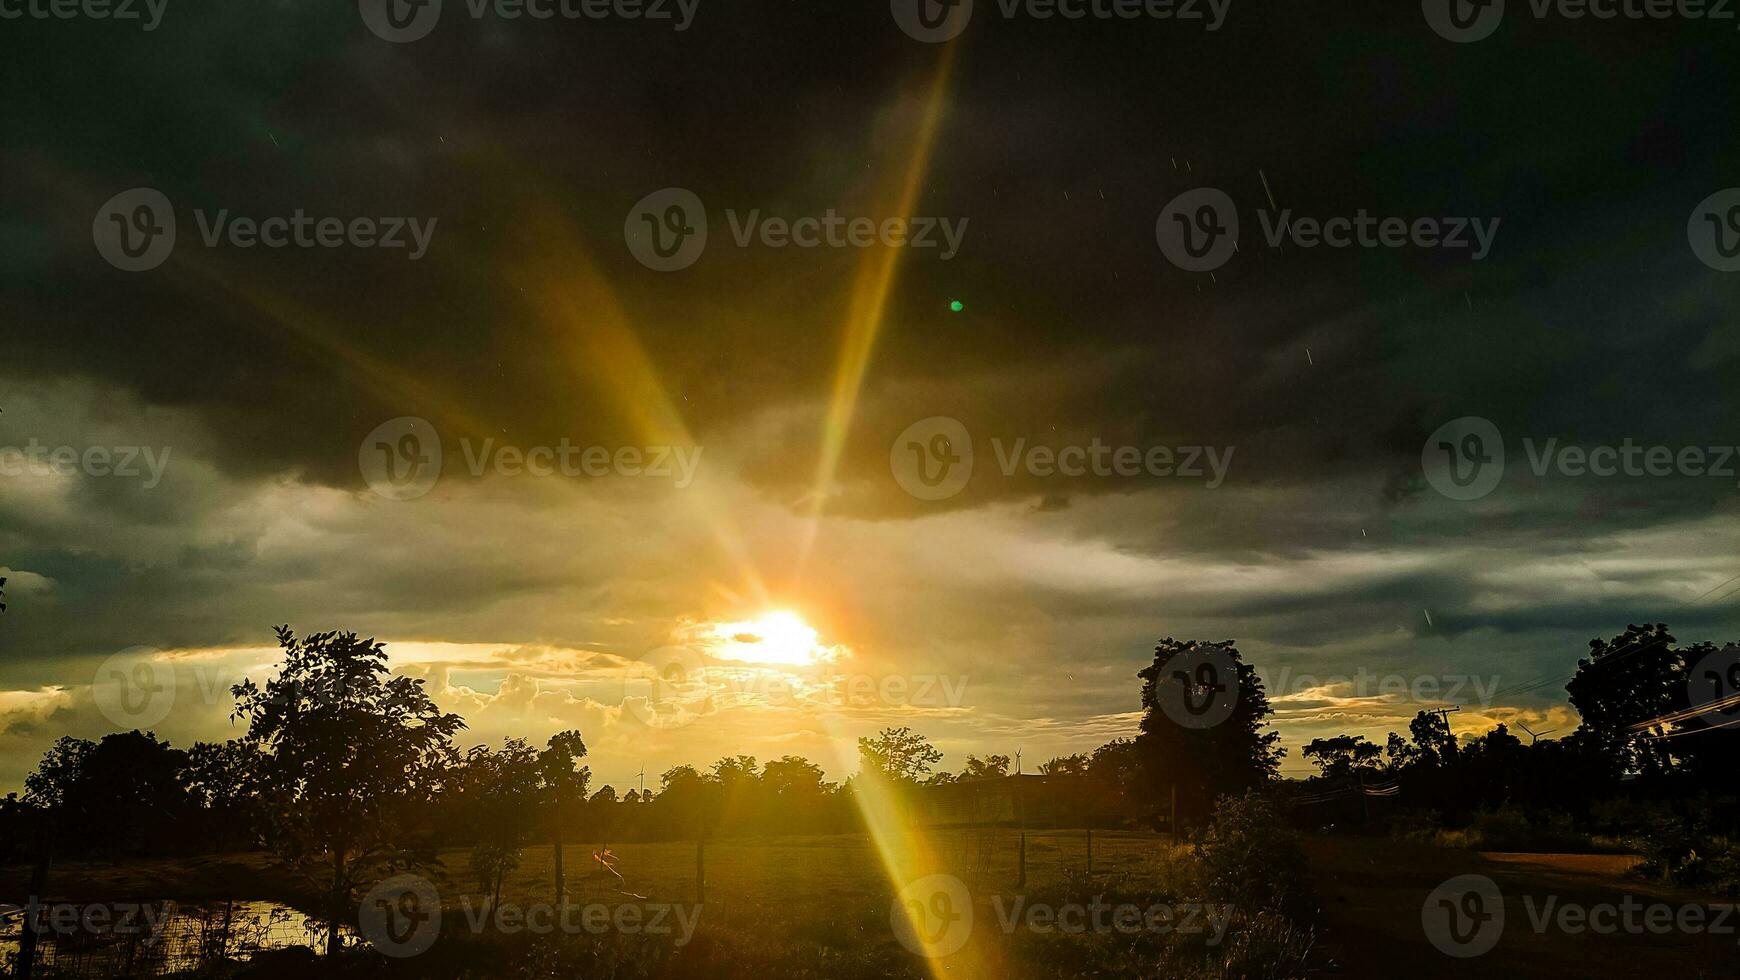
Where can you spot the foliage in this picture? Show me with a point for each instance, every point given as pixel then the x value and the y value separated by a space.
pixel 347 753
pixel 1251 859
pixel 899 755
pixel 1204 763
pixel 1343 755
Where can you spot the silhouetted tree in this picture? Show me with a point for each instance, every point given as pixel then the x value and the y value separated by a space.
pixel 122 794
pixel 501 791
pixel 1343 755
pixel 990 767
pixel 564 782
pixel 1065 765
pixel 347 754
pixel 899 755
pixel 1204 763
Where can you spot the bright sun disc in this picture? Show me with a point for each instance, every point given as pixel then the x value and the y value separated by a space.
pixel 780 637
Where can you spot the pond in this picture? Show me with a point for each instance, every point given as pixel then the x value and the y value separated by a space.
pixel 136 939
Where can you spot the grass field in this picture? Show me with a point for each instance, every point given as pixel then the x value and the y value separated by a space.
pixel 824 903
pixel 821 907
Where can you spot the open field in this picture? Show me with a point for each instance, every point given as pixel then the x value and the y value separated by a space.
pixel 826 901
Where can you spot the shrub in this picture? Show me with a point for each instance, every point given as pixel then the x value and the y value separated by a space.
pixel 1251 859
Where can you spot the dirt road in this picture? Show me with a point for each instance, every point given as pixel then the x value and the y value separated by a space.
pixel 1551 916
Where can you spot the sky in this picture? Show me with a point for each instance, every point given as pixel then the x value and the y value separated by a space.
pixel 764 419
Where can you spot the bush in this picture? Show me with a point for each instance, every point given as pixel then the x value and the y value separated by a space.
pixel 1676 852
pixel 1251 859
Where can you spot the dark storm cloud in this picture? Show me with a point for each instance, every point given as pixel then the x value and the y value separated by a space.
pixel 1061 143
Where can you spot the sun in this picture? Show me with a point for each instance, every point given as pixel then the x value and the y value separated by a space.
pixel 777 637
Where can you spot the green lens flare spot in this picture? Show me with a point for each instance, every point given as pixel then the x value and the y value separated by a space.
pixel 957 306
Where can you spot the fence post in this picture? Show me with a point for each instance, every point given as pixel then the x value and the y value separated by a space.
pixel 700 872
pixel 1090 850
pixel 1021 863
pixel 38 882
pixel 1174 814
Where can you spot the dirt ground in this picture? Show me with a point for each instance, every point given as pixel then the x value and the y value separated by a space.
pixel 1373 891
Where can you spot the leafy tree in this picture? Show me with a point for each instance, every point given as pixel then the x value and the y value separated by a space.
pixel 793 778
pixel 223 783
pixel 1434 743
pixel 1343 755
pixel 61 766
pixel 1208 762
pixel 990 767
pixel 899 755
pixel 347 754
pixel 1065 765
pixel 564 782
pixel 501 791
pixel 122 794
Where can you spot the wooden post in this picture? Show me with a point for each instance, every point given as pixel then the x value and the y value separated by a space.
pixel 556 851
pixel 1090 851
pixel 32 908
pixel 1174 823
pixel 1021 864
pixel 700 872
